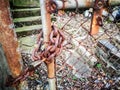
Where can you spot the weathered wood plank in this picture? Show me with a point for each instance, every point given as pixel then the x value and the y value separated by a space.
pixel 8 39
pixel 26 3
pixel 28 28
pixel 26 9
pixel 27 19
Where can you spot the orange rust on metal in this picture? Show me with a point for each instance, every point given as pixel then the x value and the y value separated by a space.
pixel 46 35
pixel 51 69
pixel 95 27
pixel 99 6
pixel 88 3
pixel 8 39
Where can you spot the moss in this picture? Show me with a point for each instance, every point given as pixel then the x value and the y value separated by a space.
pixel 26 3
pixel 27 19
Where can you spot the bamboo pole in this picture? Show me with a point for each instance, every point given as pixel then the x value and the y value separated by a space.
pixel 46 27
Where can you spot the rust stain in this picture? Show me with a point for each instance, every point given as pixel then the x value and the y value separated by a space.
pixel 99 6
pixel 46 35
pixel 95 26
pixel 88 3
pixel 8 39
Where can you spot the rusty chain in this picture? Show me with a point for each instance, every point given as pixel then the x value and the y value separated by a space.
pixel 15 81
pixel 51 6
pixel 28 71
pixel 41 54
pixel 100 5
pixel 54 47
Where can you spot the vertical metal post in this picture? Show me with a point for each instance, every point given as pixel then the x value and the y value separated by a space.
pixel 4 71
pixel 99 7
pixel 94 26
pixel 46 25
pixel 8 39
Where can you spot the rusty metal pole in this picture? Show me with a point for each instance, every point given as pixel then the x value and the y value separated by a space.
pixel 100 7
pixel 46 27
pixel 71 4
pixel 8 39
pixel 4 71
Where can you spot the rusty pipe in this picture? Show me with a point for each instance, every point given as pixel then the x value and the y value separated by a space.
pixel 46 27
pixel 100 6
pixel 8 39
pixel 71 4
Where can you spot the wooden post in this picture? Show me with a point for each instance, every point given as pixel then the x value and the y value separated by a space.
pixel 8 39
pixel 4 71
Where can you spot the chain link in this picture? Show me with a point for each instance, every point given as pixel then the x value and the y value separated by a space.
pixel 54 47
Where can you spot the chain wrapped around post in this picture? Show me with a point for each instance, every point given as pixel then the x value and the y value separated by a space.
pixel 51 6
pixel 41 54
pixel 28 71
pixel 54 47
